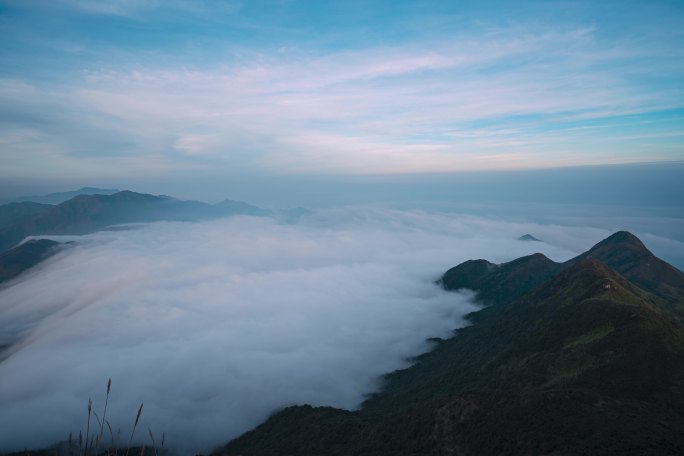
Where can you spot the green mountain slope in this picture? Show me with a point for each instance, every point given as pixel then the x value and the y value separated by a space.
pixel 622 251
pixel 570 358
pixel 625 253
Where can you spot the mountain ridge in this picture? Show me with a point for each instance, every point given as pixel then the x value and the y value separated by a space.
pixel 59 197
pixel 621 251
pixel 84 214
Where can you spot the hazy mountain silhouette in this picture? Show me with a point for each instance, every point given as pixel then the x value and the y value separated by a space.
pixel 88 213
pixel 12 212
pixel 293 215
pixel 60 197
pixel 581 357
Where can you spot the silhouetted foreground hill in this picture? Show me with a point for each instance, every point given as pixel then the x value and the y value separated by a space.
pixel 87 213
pixel 582 357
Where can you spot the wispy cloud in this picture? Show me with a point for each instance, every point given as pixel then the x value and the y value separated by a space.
pixel 138 9
pixel 499 97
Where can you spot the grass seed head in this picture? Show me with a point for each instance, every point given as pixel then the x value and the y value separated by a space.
pixel 137 417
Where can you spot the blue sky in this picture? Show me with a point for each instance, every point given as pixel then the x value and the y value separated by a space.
pixel 105 90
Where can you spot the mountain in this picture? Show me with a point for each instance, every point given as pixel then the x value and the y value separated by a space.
pixel 293 215
pixel 60 197
pixel 581 357
pixel 625 253
pixel 88 213
pixel 238 207
pixel 25 256
pixel 10 213
pixel 528 237
pixel 496 283
pixel 622 251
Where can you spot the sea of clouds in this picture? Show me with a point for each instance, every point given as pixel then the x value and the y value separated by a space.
pixel 216 325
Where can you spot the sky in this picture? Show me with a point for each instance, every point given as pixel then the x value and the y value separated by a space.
pixel 122 91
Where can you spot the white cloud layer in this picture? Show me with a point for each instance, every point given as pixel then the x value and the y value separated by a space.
pixel 216 325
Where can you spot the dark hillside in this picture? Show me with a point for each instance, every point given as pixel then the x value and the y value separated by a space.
pixel 497 283
pixel 25 256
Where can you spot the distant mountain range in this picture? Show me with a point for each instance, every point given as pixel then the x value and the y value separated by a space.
pixel 60 197
pixel 88 213
pixel 574 358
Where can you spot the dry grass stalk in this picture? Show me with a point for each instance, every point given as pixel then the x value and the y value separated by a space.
pixel 104 415
pixel 97 418
pixel 154 444
pixel 94 440
pixel 111 434
pixel 137 418
pixel 90 407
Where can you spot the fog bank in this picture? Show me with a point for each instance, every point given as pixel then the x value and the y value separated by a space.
pixel 216 325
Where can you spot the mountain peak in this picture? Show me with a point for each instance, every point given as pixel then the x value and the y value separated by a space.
pixel 621 251
pixel 622 238
pixel 528 237
pixel 534 258
pixel 627 255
